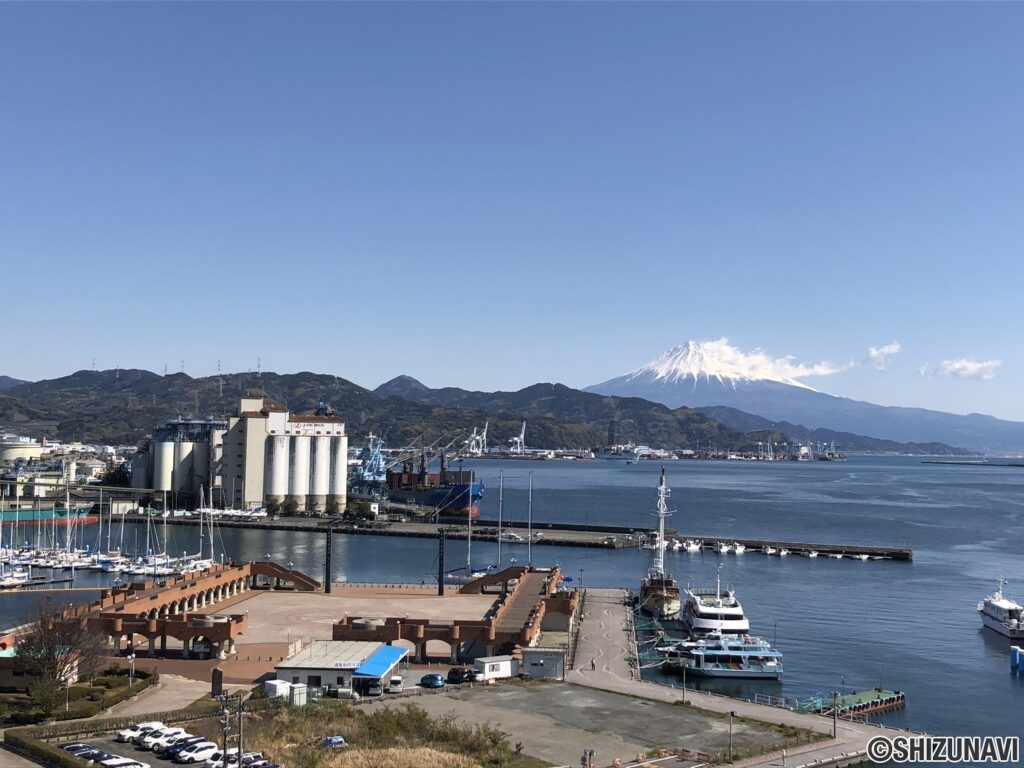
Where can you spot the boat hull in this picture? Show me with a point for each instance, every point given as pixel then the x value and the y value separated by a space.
pixel 456 500
pixel 1013 633
pixel 59 515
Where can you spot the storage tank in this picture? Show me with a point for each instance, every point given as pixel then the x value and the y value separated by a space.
pixel 141 466
pixel 339 471
pixel 299 480
pixel 320 482
pixel 201 469
pixel 183 467
pixel 163 465
pixel 277 487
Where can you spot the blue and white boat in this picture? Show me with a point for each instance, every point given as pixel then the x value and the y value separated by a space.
pixel 717 655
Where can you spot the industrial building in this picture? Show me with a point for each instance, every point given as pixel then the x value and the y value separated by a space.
pixel 272 455
pixel 183 457
pixel 262 454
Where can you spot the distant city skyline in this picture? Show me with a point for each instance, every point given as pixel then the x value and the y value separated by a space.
pixel 488 196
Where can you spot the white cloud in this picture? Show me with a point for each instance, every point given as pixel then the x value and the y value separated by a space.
pixel 880 357
pixel 969 368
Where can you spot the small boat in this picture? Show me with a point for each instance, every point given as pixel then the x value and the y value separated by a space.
pixel 862 556
pixel 738 548
pixel 811 553
pixel 835 555
pixel 769 550
pixel 692 546
pixel 722 548
pixel 783 552
pixel 1001 614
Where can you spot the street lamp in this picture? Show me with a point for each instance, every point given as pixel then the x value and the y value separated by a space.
pixel 131 670
pixel 581 579
pixel 66 683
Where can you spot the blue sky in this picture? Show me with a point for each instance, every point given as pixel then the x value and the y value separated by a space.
pixel 491 195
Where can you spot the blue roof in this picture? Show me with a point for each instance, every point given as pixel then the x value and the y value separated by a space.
pixel 381 662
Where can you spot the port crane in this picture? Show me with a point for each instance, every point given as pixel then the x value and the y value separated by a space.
pixel 476 445
pixel 517 443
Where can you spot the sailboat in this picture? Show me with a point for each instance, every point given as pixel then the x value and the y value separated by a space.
pixel 659 592
pixel 467 574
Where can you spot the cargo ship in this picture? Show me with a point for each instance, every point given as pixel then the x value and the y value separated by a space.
pixel 59 515
pixel 450 493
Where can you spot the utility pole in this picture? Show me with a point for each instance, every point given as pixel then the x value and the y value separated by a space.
pixel 241 709
pixel 835 713
pixel 731 716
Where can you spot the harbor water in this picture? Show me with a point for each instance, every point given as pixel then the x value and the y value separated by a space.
pixel 842 625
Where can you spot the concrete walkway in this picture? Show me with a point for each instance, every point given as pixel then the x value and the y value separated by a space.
pixel 607 642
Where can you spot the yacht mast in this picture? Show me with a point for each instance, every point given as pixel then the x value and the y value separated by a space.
pixel 659 549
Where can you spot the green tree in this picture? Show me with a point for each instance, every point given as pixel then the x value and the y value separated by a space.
pixel 273 506
pixel 290 506
pixel 50 651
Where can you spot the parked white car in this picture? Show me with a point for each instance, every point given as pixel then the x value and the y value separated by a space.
pixel 140 728
pixel 160 737
pixel 220 759
pixel 197 753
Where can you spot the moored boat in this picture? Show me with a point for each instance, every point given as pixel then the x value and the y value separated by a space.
pixel 708 611
pixel 718 655
pixel 659 592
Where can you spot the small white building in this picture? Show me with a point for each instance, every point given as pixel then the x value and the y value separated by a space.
pixel 347 664
pixel 495 667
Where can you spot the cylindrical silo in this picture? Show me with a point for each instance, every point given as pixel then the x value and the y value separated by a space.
pixel 277 485
pixel 320 481
pixel 141 466
pixel 339 472
pixel 298 483
pixel 183 467
pixel 163 465
pixel 201 470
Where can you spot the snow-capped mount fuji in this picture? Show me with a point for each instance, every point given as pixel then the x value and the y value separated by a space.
pixel 711 360
pixel 704 374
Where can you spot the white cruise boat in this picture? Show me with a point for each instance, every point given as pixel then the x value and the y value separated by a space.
pixel 659 592
pixel 712 610
pixel 719 655
pixel 1001 614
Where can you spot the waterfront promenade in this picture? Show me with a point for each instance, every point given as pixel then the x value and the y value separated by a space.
pixel 607 644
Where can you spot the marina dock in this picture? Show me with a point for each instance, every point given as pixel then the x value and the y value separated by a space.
pixel 606 637
pixel 564 535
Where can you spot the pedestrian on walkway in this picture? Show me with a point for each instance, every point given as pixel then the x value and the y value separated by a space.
pixel 593 664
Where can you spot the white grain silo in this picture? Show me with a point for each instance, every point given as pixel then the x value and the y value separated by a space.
pixel 339 472
pixel 321 477
pixel 183 454
pixel 299 481
pixel 163 466
pixel 277 487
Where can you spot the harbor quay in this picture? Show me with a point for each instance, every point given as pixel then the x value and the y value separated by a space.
pixel 565 535
pixel 601 707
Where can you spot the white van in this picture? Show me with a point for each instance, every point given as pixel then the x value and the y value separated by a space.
pixel 196 753
pixel 395 684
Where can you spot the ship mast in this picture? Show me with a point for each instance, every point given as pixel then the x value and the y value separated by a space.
pixel 659 551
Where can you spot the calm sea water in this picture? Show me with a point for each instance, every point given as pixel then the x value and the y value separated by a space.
pixel 842 624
